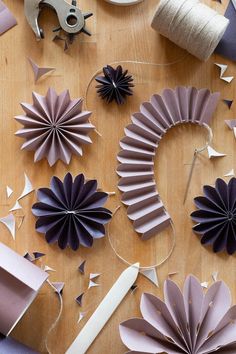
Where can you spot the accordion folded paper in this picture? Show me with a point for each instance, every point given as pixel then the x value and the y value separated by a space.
pixel 71 212
pixel 20 282
pixel 227 45
pixel 216 216
pixel 139 146
pixel 11 346
pixel 7 20
pixel 55 127
pixel 192 322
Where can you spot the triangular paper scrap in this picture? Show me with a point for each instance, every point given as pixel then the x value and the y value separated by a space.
pixel 94 275
pixel 9 191
pixel 92 284
pixel 222 67
pixel 230 173
pixel 234 130
pixel 10 223
pixel 79 299
pixel 213 153
pixel 58 286
pixel 231 123
pixel 48 269
pixel 28 188
pixel 215 276
pixel 134 288
pixel 39 71
pixel 82 267
pixel 204 284
pixel 228 103
pixel 38 255
pixel 29 257
pixel 17 206
pixel 228 79
pixel 151 274
pixel 81 316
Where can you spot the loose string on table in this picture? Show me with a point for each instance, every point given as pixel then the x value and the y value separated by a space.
pixel 54 324
pixel 131 263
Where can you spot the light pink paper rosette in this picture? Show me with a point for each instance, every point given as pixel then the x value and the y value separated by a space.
pixel 192 322
pixel 55 126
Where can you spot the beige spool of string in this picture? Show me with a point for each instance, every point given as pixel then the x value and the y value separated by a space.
pixel 191 25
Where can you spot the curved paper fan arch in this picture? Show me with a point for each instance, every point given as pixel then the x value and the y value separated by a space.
pixel 138 149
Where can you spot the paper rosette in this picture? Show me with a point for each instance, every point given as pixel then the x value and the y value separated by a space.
pixel 55 127
pixel 71 212
pixel 139 146
pixel 216 216
pixel 191 322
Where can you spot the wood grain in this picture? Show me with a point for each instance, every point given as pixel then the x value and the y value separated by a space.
pixel 118 34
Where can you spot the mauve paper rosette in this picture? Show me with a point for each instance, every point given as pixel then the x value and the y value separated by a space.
pixel 191 322
pixel 216 216
pixel 71 212
pixel 55 126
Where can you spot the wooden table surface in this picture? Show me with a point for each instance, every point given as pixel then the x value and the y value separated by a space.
pixel 118 34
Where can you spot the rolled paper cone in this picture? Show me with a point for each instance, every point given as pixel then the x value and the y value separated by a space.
pixel 191 25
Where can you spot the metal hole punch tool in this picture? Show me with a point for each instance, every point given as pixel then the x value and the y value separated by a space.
pixel 71 19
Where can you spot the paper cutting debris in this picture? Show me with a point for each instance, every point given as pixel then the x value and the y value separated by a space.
pixel 10 223
pixel 28 188
pixel 213 153
pixel 82 267
pixel 17 206
pixel 79 299
pixel 223 69
pixel 230 173
pixel 151 274
pixel 39 71
pixel 9 191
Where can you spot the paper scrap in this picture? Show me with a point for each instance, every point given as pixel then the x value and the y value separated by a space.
pixel 92 284
pixel 58 286
pixel 94 275
pixel 10 223
pixel 9 191
pixel 38 255
pixel 212 153
pixel 151 274
pixel 17 206
pixel 48 269
pixel 231 123
pixel 22 218
pixel 7 20
pixel 215 276
pixel 228 103
pixel 28 188
pixel 39 71
pixel 230 173
pixel 104 311
pixel 171 274
pixel 29 257
pixel 79 299
pixel 223 69
pixel 134 288
pixel 204 285
pixel 81 267
pixel 81 316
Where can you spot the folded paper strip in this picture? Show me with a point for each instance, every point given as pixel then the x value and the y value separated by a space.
pixel 55 127
pixel 139 146
pixel 20 282
pixel 216 216
pixel 71 212
pixel 192 322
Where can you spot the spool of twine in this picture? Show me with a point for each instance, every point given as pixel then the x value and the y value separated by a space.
pixel 191 25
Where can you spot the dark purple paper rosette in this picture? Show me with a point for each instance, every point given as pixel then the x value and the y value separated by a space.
pixel 71 212
pixel 216 216
pixel 188 322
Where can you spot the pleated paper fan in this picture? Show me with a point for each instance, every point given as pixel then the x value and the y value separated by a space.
pixel 139 146
pixel 190 322
pixel 55 127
